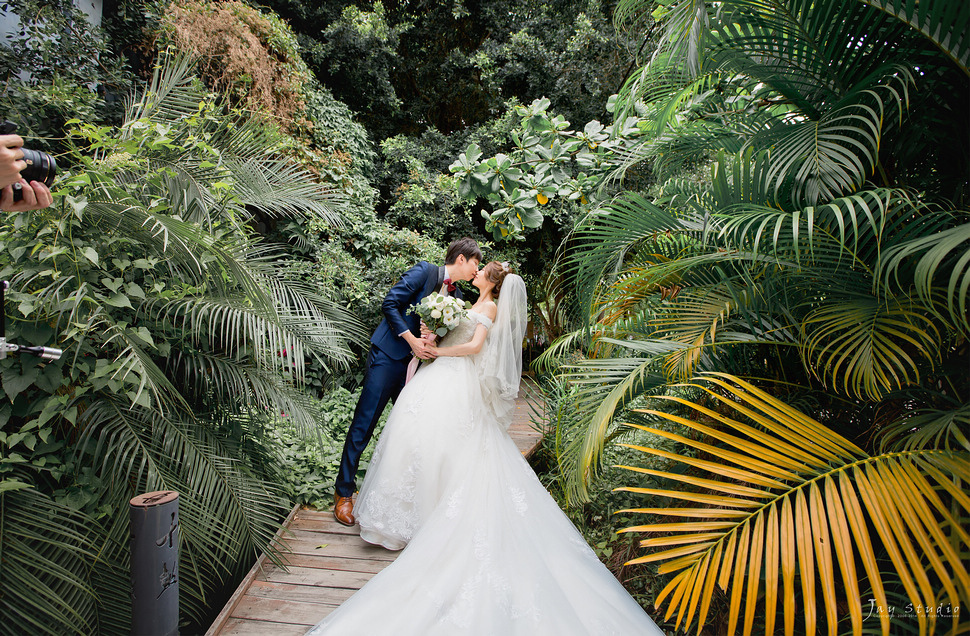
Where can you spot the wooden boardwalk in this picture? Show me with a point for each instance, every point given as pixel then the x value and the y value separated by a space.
pixel 325 563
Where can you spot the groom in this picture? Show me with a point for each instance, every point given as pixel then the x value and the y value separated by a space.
pixel 397 337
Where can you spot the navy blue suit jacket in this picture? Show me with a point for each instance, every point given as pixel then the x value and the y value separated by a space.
pixel 415 284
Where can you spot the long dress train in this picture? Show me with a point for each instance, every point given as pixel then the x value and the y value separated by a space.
pixel 488 551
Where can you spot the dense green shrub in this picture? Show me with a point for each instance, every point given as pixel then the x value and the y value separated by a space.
pixel 183 337
pixel 307 463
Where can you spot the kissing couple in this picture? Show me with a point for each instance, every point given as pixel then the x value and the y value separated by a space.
pixel 486 551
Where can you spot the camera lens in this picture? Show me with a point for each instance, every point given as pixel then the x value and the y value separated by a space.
pixel 40 167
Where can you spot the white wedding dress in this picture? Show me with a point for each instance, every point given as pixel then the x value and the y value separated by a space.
pixel 488 551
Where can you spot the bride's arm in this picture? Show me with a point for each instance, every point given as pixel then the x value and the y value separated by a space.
pixel 474 345
pixel 469 348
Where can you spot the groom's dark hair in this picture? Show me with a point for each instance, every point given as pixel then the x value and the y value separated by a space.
pixel 466 247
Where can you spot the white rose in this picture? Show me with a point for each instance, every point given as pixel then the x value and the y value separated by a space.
pixel 451 323
pixel 435 313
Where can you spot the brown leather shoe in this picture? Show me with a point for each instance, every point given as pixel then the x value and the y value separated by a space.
pixel 343 510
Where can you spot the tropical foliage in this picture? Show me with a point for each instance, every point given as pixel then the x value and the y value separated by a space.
pixel 183 335
pixel 548 161
pixel 447 66
pixel 765 274
pixel 807 233
pixel 790 493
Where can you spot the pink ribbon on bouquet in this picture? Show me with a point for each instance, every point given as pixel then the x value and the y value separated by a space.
pixel 413 364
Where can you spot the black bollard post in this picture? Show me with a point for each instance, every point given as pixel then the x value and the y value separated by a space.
pixel 154 564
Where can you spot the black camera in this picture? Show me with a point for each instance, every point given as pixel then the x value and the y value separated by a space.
pixel 40 165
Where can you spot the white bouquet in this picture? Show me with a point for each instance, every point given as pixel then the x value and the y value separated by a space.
pixel 440 313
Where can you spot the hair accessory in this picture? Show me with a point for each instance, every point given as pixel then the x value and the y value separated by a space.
pixel 505 267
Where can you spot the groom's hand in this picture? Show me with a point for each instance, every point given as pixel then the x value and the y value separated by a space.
pixel 420 347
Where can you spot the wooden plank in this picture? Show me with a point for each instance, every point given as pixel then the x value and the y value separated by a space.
pixel 297 592
pixel 254 571
pixel 278 611
pixel 246 627
pixel 337 546
pixel 316 576
pixel 332 596
pixel 335 563
pixel 322 522
pixel 350 551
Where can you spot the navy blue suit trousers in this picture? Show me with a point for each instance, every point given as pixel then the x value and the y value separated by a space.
pixel 383 381
pixel 387 365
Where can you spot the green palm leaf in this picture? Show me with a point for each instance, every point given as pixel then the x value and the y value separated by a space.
pixel 833 155
pixel 847 231
pixel 172 93
pixel 940 252
pixel 46 555
pixel 869 346
pixel 282 189
pixel 611 234
pixel 234 324
pixel 216 379
pixel 602 387
pixel 941 21
pixel 929 428
pixel 226 513
pixel 789 498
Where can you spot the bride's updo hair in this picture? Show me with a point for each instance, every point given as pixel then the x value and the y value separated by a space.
pixel 496 272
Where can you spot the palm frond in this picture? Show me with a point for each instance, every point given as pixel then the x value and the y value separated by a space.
pixel 943 22
pixel 275 335
pixel 226 514
pixel 685 27
pixel 138 366
pixel 45 559
pixel 928 428
pixel 560 348
pixel 833 155
pixel 742 179
pixel 602 387
pixel 219 380
pixel 177 242
pixel 788 497
pixel 172 93
pixel 609 235
pixel 866 346
pixel 941 252
pixel 706 318
pixel 281 189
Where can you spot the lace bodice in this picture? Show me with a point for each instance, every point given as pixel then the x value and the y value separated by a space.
pixel 465 329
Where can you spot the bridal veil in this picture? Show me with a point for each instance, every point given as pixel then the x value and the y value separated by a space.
pixel 502 354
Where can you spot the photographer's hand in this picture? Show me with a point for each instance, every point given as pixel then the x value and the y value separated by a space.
pixel 36 197
pixel 11 159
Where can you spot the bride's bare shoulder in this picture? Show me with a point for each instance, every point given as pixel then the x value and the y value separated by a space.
pixel 489 310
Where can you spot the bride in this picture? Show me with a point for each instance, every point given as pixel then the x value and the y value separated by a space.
pixel 488 551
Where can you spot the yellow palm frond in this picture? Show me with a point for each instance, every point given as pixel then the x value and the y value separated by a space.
pixel 788 502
